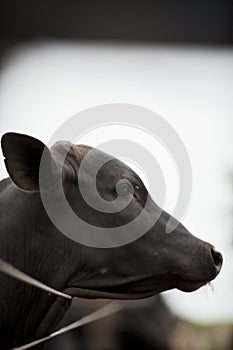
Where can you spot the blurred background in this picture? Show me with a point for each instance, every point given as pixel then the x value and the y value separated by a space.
pixel 174 57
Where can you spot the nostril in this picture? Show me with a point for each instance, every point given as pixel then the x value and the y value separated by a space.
pixel 217 258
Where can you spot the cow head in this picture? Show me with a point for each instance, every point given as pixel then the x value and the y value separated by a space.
pixel 156 262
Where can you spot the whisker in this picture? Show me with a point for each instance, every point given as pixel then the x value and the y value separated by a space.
pixel 211 285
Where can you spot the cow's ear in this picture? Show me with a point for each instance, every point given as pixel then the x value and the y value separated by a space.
pixel 23 156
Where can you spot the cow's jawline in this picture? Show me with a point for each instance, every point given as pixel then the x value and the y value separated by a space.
pixel 183 285
pixel 101 294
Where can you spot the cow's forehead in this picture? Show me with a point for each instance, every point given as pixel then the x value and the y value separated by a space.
pixel 68 149
pixel 78 153
pixel 96 157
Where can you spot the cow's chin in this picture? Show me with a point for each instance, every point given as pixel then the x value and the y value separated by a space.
pixel 127 289
pixel 190 286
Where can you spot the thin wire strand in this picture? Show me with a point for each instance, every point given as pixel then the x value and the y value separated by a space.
pixel 7 268
pixel 105 311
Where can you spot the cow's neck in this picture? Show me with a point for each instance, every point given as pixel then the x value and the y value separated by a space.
pixel 27 241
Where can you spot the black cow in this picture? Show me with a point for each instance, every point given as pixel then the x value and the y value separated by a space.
pixel 31 242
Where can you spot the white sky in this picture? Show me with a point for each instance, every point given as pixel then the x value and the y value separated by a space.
pixel 44 84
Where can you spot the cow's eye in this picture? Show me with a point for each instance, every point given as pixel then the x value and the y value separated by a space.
pixel 124 188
